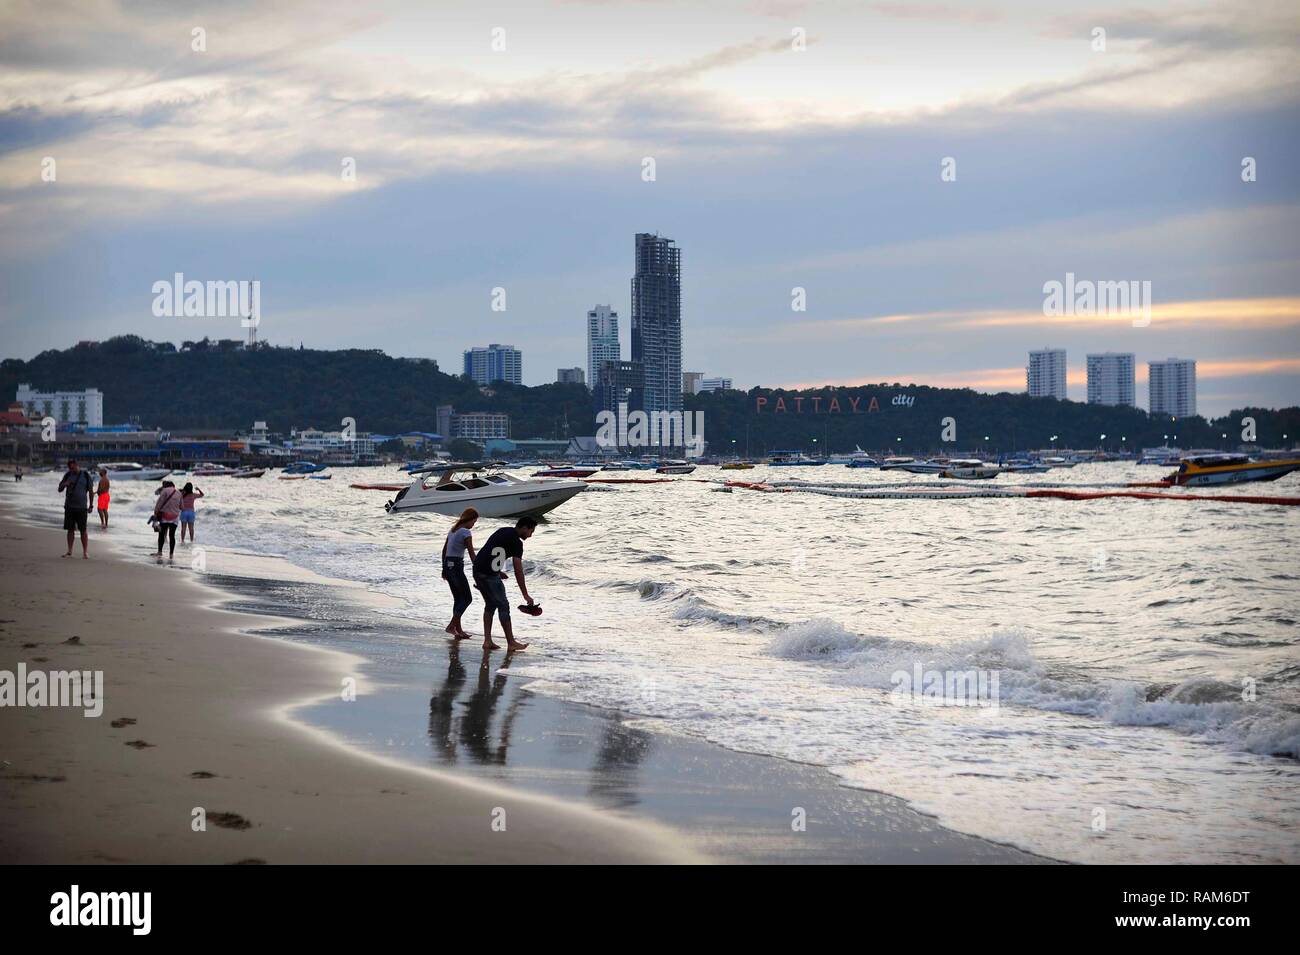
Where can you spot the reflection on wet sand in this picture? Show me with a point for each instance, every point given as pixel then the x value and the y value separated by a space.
pixel 464 723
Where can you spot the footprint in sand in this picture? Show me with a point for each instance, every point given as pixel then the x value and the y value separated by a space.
pixel 75 641
pixel 140 744
pixel 121 721
pixel 202 774
pixel 250 862
pixel 229 820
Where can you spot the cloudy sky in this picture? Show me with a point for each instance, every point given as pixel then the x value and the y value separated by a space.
pixel 794 145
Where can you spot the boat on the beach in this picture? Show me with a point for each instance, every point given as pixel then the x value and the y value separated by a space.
pixel 675 467
pixel 450 488
pixel 1203 470
pixel 130 471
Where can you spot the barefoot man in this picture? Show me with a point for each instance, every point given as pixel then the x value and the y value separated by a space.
pixel 78 495
pixel 489 572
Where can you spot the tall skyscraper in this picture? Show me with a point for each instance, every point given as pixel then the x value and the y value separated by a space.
pixel 1045 375
pixel 602 340
pixel 657 320
pixel 1172 384
pixel 1111 379
pixel 495 363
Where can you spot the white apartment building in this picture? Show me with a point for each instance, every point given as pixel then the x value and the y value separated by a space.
pixel 602 340
pixel 1045 376
pixel 1112 379
pixel 84 408
pixel 715 384
pixel 1172 385
pixel 480 425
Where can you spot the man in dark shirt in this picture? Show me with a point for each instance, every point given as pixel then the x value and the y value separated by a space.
pixel 489 572
pixel 78 489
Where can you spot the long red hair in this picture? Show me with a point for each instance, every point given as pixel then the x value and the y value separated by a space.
pixel 467 516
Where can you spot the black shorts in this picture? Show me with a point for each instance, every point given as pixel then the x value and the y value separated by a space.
pixel 74 520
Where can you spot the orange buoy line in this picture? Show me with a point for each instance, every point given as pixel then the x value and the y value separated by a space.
pixel 1153 496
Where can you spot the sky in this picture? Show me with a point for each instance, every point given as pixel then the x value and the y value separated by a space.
pixel 920 170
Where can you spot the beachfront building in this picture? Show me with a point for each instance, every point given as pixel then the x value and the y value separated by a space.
pixel 570 376
pixel 691 382
pixel 1111 379
pixel 657 321
pixel 495 363
pixel 1172 385
pixel 84 408
pixel 480 425
pixel 602 339
pixel 1045 376
pixel 715 384
pixel 333 447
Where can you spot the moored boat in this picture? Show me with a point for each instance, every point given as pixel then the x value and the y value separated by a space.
pixel 675 467
pixel 130 471
pixel 1203 470
pixel 448 489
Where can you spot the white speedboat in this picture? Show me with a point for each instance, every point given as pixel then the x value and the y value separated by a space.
pixel 896 463
pixel 857 454
pixel 970 469
pixel 674 467
pixel 450 488
pixel 130 471
pixel 933 466
pixel 253 473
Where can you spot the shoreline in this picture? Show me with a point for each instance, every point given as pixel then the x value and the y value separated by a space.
pixel 210 707
pixel 694 800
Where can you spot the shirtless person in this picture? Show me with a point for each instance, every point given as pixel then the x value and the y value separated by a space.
pixel 489 572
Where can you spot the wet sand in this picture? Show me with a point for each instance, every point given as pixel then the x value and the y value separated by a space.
pixel 196 715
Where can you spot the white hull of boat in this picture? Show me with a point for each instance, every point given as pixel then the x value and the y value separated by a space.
pixel 521 498
pixel 149 474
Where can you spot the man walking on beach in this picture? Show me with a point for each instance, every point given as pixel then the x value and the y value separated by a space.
pixel 78 494
pixel 489 572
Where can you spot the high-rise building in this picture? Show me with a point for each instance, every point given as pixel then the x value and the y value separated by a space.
pixel 620 383
pixel 691 382
pixel 1045 375
pixel 602 340
pixel 657 320
pixel 715 384
pixel 1111 379
pixel 495 363
pixel 1172 384
pixel 570 376
pixel 84 408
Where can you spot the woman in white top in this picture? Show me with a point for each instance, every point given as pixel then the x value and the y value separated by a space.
pixel 453 568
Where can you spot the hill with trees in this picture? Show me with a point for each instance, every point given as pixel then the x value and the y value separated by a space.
pixel 224 386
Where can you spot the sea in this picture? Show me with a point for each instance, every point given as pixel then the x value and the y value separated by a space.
pixel 1100 681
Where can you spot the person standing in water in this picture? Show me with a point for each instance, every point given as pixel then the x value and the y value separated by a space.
pixel 101 498
pixel 453 568
pixel 489 572
pixel 166 512
pixel 78 494
pixel 189 494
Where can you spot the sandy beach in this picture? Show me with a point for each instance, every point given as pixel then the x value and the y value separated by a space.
pixel 194 716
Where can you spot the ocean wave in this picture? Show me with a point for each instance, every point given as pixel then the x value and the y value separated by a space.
pixel 1201 706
